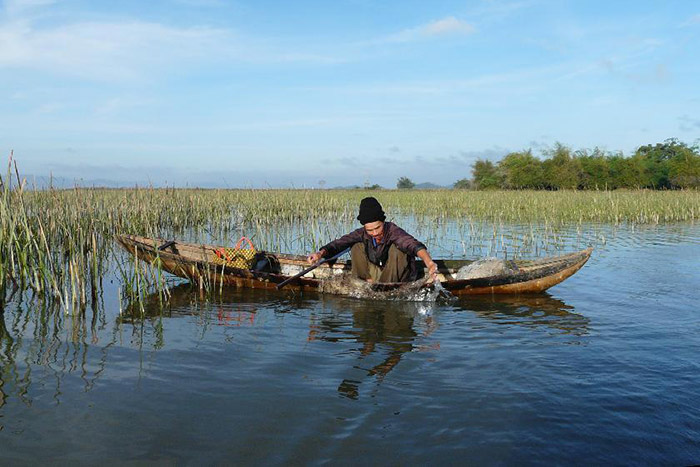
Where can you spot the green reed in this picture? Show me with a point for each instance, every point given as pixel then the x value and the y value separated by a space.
pixel 58 245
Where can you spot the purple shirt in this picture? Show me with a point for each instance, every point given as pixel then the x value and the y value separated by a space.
pixel 377 253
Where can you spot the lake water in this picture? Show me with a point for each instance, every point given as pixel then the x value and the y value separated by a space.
pixel 603 369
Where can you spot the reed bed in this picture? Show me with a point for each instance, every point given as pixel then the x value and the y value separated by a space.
pixel 58 244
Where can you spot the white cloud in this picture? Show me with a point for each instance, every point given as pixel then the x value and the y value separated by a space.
pixel 110 51
pixel 127 50
pixel 449 26
pixel 119 51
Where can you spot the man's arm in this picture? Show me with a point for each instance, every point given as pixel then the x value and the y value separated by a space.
pixel 336 246
pixel 409 245
pixel 404 241
pixel 429 263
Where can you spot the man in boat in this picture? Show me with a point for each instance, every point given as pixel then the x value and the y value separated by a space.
pixel 381 251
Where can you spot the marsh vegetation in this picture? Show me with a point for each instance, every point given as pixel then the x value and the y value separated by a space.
pixel 58 244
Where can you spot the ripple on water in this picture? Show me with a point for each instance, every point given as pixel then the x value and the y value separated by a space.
pixel 602 368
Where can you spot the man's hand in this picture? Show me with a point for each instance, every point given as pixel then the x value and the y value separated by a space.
pixel 432 270
pixel 314 258
pixel 430 264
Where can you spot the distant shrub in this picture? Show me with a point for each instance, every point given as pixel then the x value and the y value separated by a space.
pixel 405 183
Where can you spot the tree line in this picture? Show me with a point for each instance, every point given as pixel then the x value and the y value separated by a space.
pixel 668 165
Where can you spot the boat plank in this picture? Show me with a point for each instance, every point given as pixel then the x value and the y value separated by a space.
pixel 196 262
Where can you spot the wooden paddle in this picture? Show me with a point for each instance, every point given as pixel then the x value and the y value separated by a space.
pixel 287 281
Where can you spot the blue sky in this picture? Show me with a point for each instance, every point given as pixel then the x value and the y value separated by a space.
pixel 279 93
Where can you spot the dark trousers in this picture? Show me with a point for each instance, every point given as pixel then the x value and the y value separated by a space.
pixel 395 270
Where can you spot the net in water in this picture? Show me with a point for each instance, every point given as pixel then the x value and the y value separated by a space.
pixel 417 291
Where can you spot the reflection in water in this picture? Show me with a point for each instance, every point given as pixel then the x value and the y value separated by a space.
pixel 185 300
pixel 379 334
pixel 6 342
pixel 511 365
pixel 539 310
pixel 384 332
pixel 37 337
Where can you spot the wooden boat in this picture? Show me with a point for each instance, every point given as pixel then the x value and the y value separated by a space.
pixel 200 263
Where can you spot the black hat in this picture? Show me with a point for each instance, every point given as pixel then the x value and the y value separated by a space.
pixel 370 211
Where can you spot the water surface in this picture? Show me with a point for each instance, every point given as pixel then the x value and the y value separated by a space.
pixel 602 369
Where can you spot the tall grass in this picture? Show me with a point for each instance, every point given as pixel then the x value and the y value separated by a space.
pixel 58 244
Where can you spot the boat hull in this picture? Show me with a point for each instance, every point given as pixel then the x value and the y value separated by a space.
pixel 196 262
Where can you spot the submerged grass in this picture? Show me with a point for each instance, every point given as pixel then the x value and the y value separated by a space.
pixel 58 244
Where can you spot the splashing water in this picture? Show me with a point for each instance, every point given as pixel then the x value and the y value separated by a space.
pixel 417 291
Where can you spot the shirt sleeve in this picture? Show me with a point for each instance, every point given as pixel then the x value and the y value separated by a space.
pixel 405 241
pixel 340 244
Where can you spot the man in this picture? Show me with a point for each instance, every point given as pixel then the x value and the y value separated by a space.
pixel 381 251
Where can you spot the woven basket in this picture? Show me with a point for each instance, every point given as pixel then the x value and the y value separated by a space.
pixel 236 257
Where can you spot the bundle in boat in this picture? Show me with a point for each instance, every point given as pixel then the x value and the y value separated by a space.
pixel 487 267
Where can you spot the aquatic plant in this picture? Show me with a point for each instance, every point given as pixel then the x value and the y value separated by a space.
pixel 58 244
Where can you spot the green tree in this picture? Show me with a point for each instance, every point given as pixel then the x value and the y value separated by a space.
pixel 462 184
pixel 668 165
pixel 684 170
pixel 522 170
pixel 561 171
pixel 657 160
pixel 595 170
pixel 485 175
pixel 405 183
pixel 627 172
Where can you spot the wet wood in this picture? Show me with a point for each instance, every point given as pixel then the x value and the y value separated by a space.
pixel 196 262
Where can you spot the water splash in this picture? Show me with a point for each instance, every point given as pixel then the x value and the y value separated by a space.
pixel 417 291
